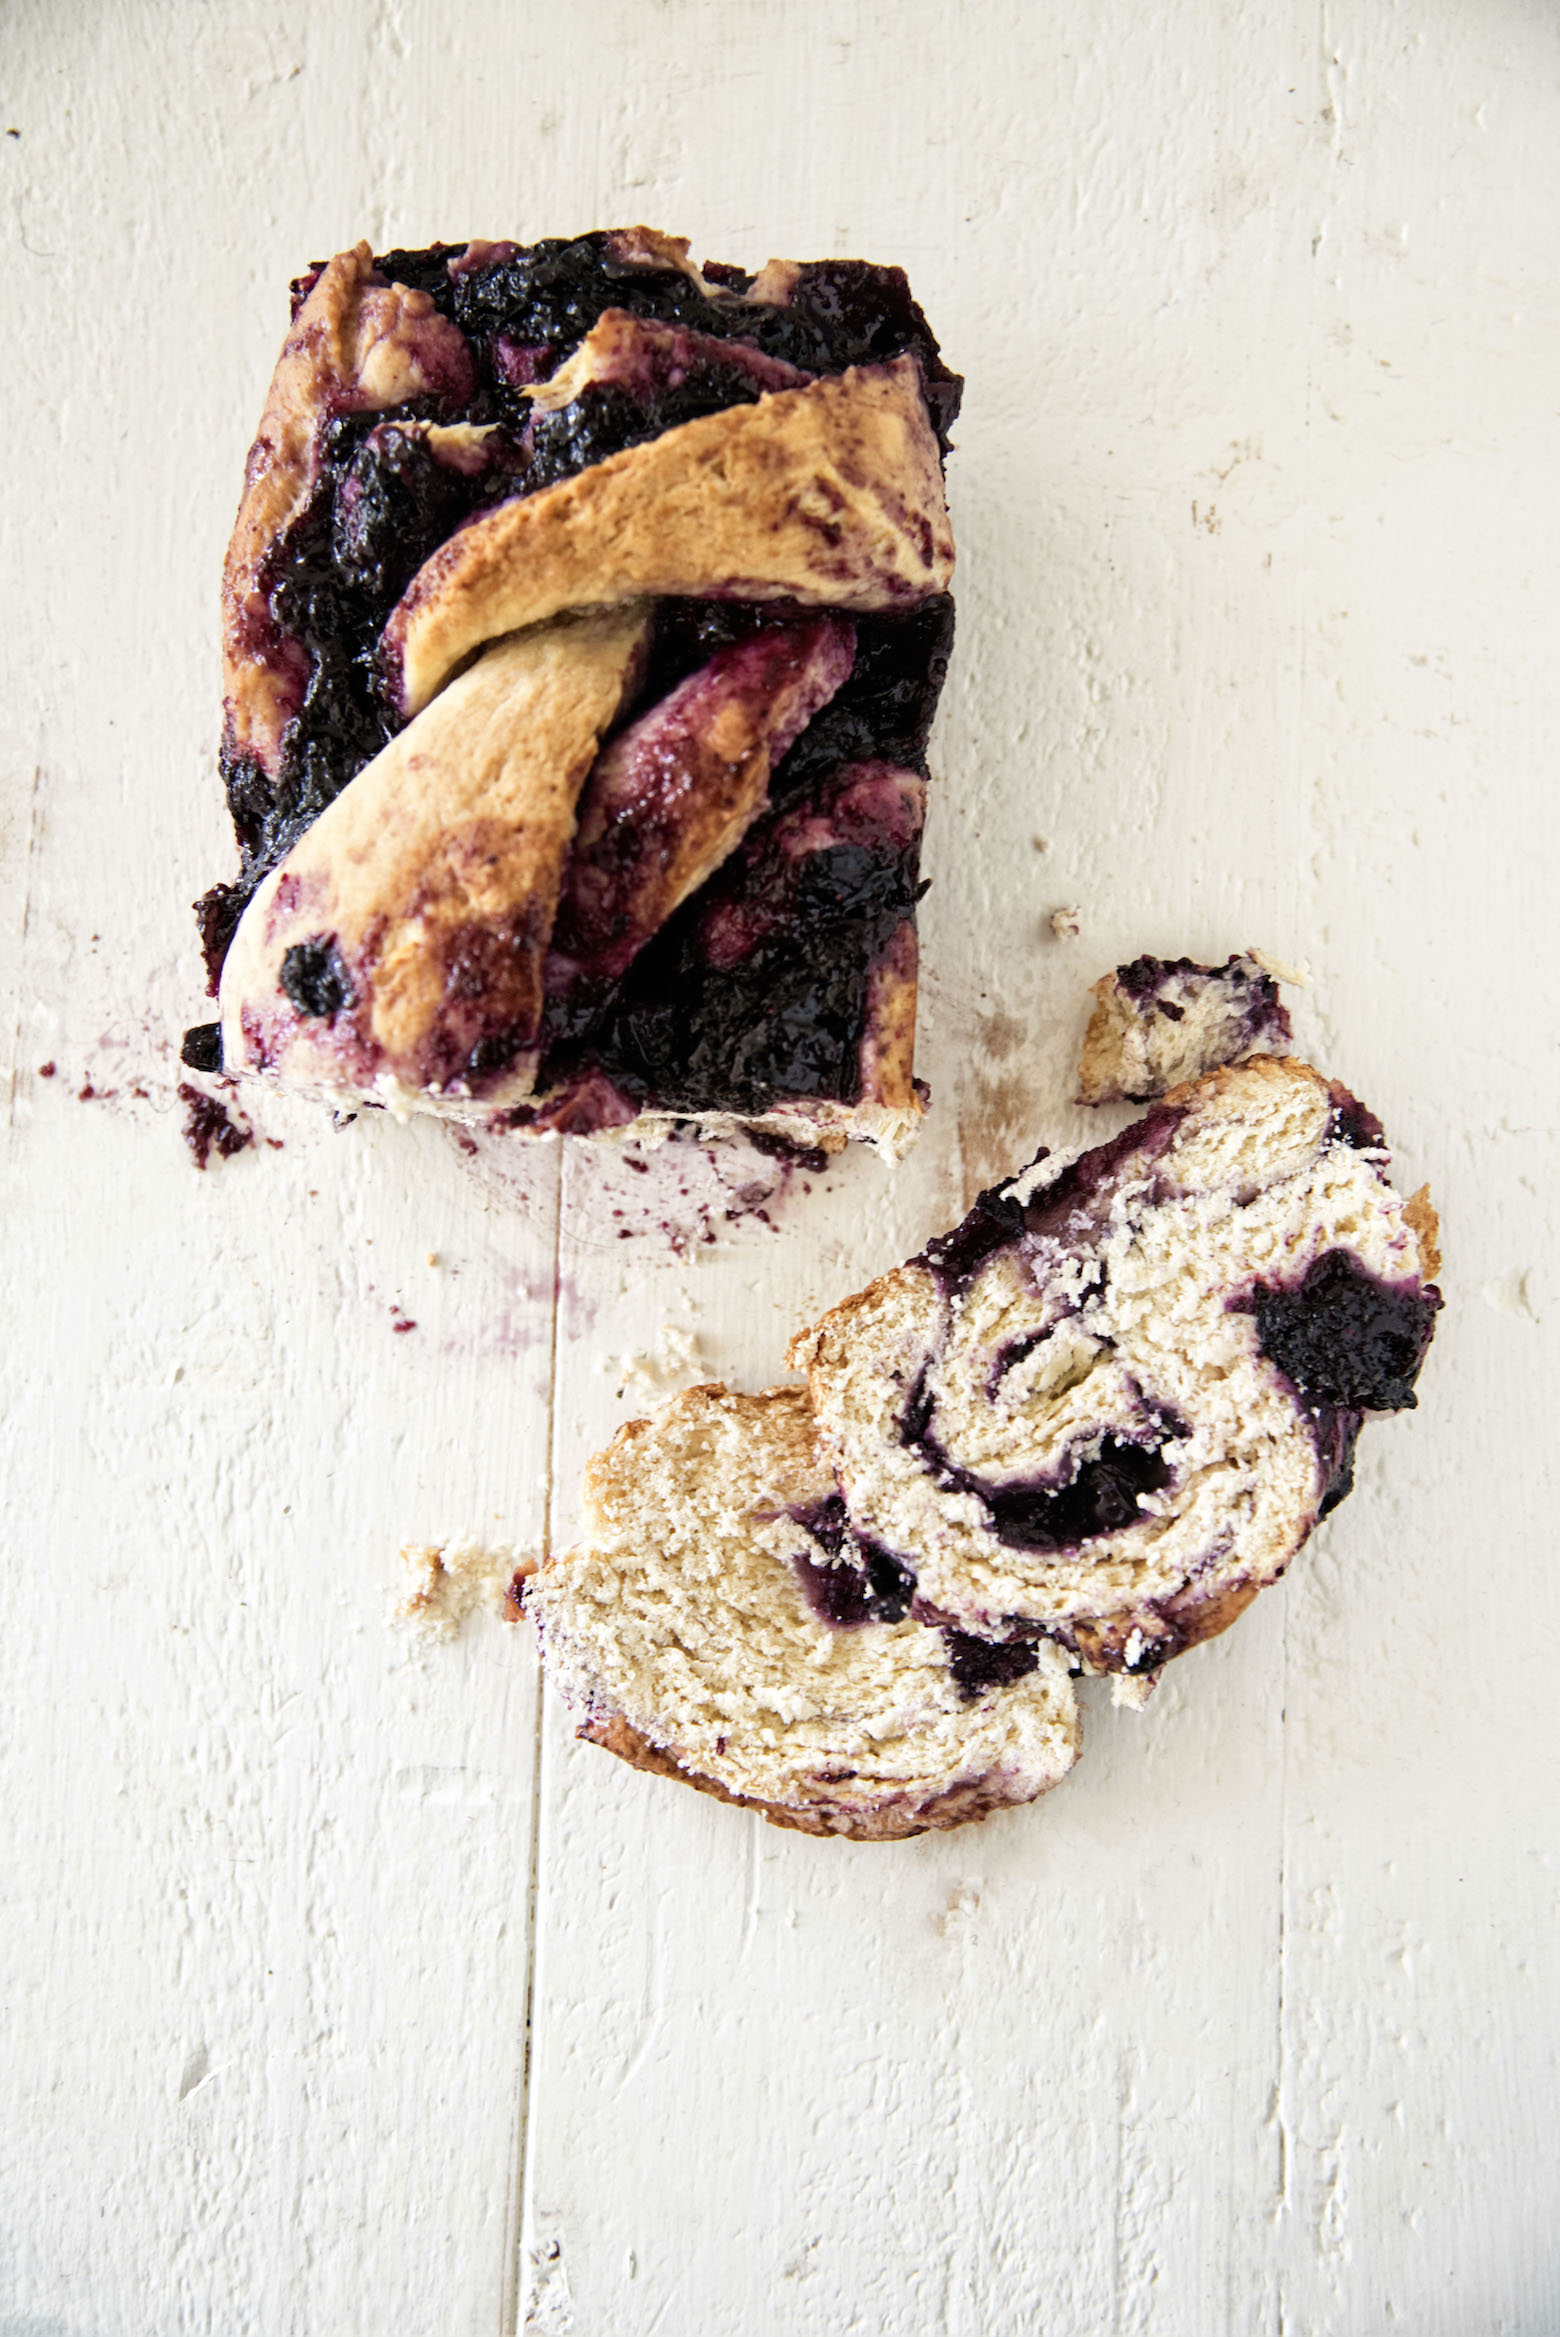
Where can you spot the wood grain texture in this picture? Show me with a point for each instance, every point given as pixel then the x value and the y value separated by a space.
pixel 345 1990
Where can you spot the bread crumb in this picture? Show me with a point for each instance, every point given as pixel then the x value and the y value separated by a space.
pixel 1066 924
pixel 452 1580
pixel 1130 1691
pixel 678 1362
pixel 1299 976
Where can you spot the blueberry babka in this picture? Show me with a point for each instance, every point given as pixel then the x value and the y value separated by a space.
pixel 1110 1406
pixel 719 1625
pixel 583 625
pixel 1162 1021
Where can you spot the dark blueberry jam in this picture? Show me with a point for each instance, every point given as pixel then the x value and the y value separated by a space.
pixel 1345 1339
pixel 997 1218
pixel 1337 1434
pixel 201 1047
pixel 758 985
pixel 808 1158
pixel 882 713
pixel 863 1583
pixel 1351 1123
pixel 314 977
pixel 544 299
pixel 978 1665
pixel 1100 1497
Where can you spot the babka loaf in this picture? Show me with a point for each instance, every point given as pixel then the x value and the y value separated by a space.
pixel 719 1624
pixel 583 624
pixel 1111 1405
pixel 1161 1021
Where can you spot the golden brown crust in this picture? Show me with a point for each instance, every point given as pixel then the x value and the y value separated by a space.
pixel 355 343
pixel 1185 1621
pixel 830 495
pixel 1268 1070
pixel 440 862
pixel 961 1805
pixel 1419 1213
pixel 810 1348
pixel 888 1043
pixel 1099 1056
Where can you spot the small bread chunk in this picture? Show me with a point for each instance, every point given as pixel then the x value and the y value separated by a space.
pixel 1113 1403
pixel 1160 1022
pixel 719 1625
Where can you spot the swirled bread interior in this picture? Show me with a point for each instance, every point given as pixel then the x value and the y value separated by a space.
pixel 1113 1403
pixel 714 1626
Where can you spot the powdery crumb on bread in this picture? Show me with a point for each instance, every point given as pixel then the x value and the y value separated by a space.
pixel 1160 1022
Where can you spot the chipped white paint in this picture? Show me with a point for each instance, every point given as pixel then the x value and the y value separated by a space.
pixel 1252 2026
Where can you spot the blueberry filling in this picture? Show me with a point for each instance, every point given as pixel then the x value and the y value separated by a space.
pixel 863 1583
pixel 314 977
pixel 544 298
pixel 1352 1124
pixel 201 1048
pixel 980 1664
pixel 1345 1339
pixel 998 1218
pixel 1255 994
pixel 1100 1497
pixel 758 985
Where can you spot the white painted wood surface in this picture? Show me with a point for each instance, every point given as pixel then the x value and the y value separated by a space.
pixel 1253 2026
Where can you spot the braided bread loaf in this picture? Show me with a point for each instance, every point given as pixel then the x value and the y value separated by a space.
pixel 1112 1404
pixel 582 627
pixel 714 1627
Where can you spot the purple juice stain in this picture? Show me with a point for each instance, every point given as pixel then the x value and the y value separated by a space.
pixel 208 1127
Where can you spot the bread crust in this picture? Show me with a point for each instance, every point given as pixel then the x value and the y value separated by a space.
pixel 962 1805
pixel 356 343
pixel 444 853
pixel 830 495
